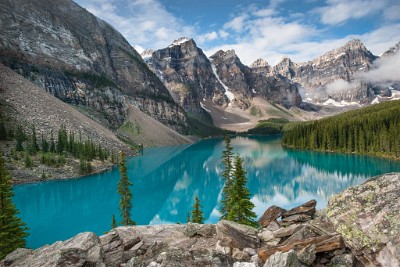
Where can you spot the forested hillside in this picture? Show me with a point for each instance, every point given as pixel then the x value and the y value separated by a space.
pixel 373 130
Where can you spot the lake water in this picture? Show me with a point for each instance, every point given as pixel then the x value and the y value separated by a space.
pixel 166 180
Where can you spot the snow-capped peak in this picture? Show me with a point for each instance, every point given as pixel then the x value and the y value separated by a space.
pixel 179 41
pixel 147 54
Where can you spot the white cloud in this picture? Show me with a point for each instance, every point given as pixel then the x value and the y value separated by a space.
pixel 145 22
pixel 237 24
pixel 210 36
pixel 340 11
pixel 386 70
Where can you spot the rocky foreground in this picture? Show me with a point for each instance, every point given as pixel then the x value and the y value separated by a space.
pixel 359 227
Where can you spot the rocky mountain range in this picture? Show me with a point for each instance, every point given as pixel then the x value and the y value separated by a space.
pixel 96 70
pixel 330 79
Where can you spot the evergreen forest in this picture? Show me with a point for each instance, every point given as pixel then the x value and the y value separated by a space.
pixel 373 130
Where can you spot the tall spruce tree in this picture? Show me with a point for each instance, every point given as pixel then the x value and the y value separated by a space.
pixel 12 229
pixel 125 202
pixel 197 213
pixel 241 206
pixel 20 137
pixel 113 222
pixel 227 157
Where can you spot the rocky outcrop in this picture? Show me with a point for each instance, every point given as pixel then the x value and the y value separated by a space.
pixel 187 73
pixel 368 218
pixel 92 66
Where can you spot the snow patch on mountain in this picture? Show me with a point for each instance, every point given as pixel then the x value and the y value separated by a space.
pixel 179 41
pixel 204 107
pixel 228 93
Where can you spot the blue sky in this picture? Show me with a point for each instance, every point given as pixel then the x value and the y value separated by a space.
pixel 271 29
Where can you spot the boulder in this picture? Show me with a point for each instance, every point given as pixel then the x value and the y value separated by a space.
pixel 287 231
pixel 344 260
pixel 367 216
pixel 242 236
pixel 82 249
pixel 301 234
pixel 273 226
pixel 270 215
pixel 266 235
pixel 195 229
pixel 283 259
pixel 307 255
pixel 322 244
pixel 307 208
pixel 294 219
pixel 17 255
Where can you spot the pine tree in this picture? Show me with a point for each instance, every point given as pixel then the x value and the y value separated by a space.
pixel 125 202
pixel 52 144
pixel 188 220
pixel 12 229
pixel 44 144
pixel 227 156
pixel 197 214
pixel 113 222
pixel 241 206
pixel 33 146
pixel 20 137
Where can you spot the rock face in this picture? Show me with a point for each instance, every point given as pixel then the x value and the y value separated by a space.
pixel 91 66
pixel 368 218
pixel 188 75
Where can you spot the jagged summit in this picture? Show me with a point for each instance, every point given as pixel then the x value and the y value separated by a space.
pixel 180 41
pixel 146 54
pixel 259 63
pixel 393 50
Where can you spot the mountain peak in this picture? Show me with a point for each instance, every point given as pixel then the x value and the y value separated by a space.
pixel 393 50
pixel 147 53
pixel 180 41
pixel 260 62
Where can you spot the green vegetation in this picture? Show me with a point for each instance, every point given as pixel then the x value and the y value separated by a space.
pixel 98 80
pixel 236 205
pixel 255 111
pixel 51 152
pixel 197 213
pixel 270 126
pixel 12 228
pixel 241 208
pixel 227 159
pixel 373 130
pixel 125 202
pixel 202 128
pixel 113 222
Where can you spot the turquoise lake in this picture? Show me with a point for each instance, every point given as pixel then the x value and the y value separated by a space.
pixel 166 180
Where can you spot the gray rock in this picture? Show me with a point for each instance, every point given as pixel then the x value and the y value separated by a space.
pixel 300 234
pixel 222 249
pixel 195 229
pixel 287 231
pixel 256 260
pixel 242 236
pixel 240 255
pixel 250 251
pixel 283 259
pixel 154 264
pixel 244 264
pixel 344 260
pixel 266 235
pixel 307 255
pixel 16 255
pixel 273 226
pixel 367 217
pixel 84 248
